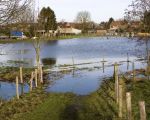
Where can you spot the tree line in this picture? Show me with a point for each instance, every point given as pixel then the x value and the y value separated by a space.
pixel 22 12
pixel 139 10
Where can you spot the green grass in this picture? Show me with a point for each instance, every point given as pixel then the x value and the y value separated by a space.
pixel 67 106
pixel 50 38
pixel 6 76
pixel 140 92
pixel 26 103
pixel 51 109
pixel 99 105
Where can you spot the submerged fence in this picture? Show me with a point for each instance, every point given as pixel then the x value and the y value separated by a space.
pixel 120 91
pixel 36 77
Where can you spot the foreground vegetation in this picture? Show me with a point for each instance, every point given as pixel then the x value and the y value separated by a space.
pixel 99 105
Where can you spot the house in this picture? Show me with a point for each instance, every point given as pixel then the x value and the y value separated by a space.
pixel 64 28
pixel 3 37
pixel 134 26
pixel 101 32
pixel 69 31
pixel 116 26
pixel 43 33
pixel 68 28
pixel 40 32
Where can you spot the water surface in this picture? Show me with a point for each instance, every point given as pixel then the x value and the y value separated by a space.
pixel 58 54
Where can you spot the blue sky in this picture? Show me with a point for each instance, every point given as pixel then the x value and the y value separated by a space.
pixel 101 10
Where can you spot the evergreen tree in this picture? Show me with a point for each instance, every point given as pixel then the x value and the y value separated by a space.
pixel 47 19
pixel 109 22
pixel 146 21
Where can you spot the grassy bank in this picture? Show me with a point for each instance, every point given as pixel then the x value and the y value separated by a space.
pixel 9 74
pixel 99 105
pixel 140 91
pixel 50 38
pixel 39 105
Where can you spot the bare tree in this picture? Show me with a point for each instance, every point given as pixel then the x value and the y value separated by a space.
pixel 83 18
pixel 10 9
pixel 37 46
pixel 140 9
pixel 137 9
pixel 27 16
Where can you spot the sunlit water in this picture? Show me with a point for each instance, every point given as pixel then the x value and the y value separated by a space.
pixel 92 51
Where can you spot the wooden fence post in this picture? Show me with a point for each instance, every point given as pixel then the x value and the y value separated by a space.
pixel 36 78
pixel 73 62
pixel 148 55
pixel 129 107
pixel 120 101
pixel 103 64
pixel 21 76
pixel 133 69
pixel 116 82
pixel 31 81
pixel 142 110
pixel 17 87
pixel 41 74
pixel 128 61
pixel 73 66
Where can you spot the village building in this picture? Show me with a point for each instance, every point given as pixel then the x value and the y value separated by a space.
pixel 66 28
pixel 116 26
pixel 101 32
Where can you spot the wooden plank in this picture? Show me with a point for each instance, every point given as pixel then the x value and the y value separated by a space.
pixel 116 82
pixel 120 101
pixel 142 110
pixel 21 75
pixel 36 78
pixel 129 107
pixel 17 87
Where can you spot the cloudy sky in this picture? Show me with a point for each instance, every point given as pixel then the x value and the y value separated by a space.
pixel 101 10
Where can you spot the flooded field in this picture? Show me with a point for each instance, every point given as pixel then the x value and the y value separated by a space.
pixel 90 59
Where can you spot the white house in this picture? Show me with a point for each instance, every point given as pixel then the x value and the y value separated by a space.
pixel 70 30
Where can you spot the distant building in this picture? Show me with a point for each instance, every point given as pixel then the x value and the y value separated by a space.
pixel 69 31
pixel 3 37
pixel 68 28
pixel 116 26
pixel 41 32
pixel 101 32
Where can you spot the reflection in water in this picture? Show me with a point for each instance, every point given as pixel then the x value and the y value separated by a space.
pixel 8 90
pixel 49 61
pixel 76 52
pixel 51 43
pixel 82 50
pixel 86 81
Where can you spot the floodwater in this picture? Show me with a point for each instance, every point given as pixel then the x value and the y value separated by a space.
pixel 85 54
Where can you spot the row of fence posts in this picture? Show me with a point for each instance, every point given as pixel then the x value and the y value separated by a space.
pixel 36 75
pixel 119 97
